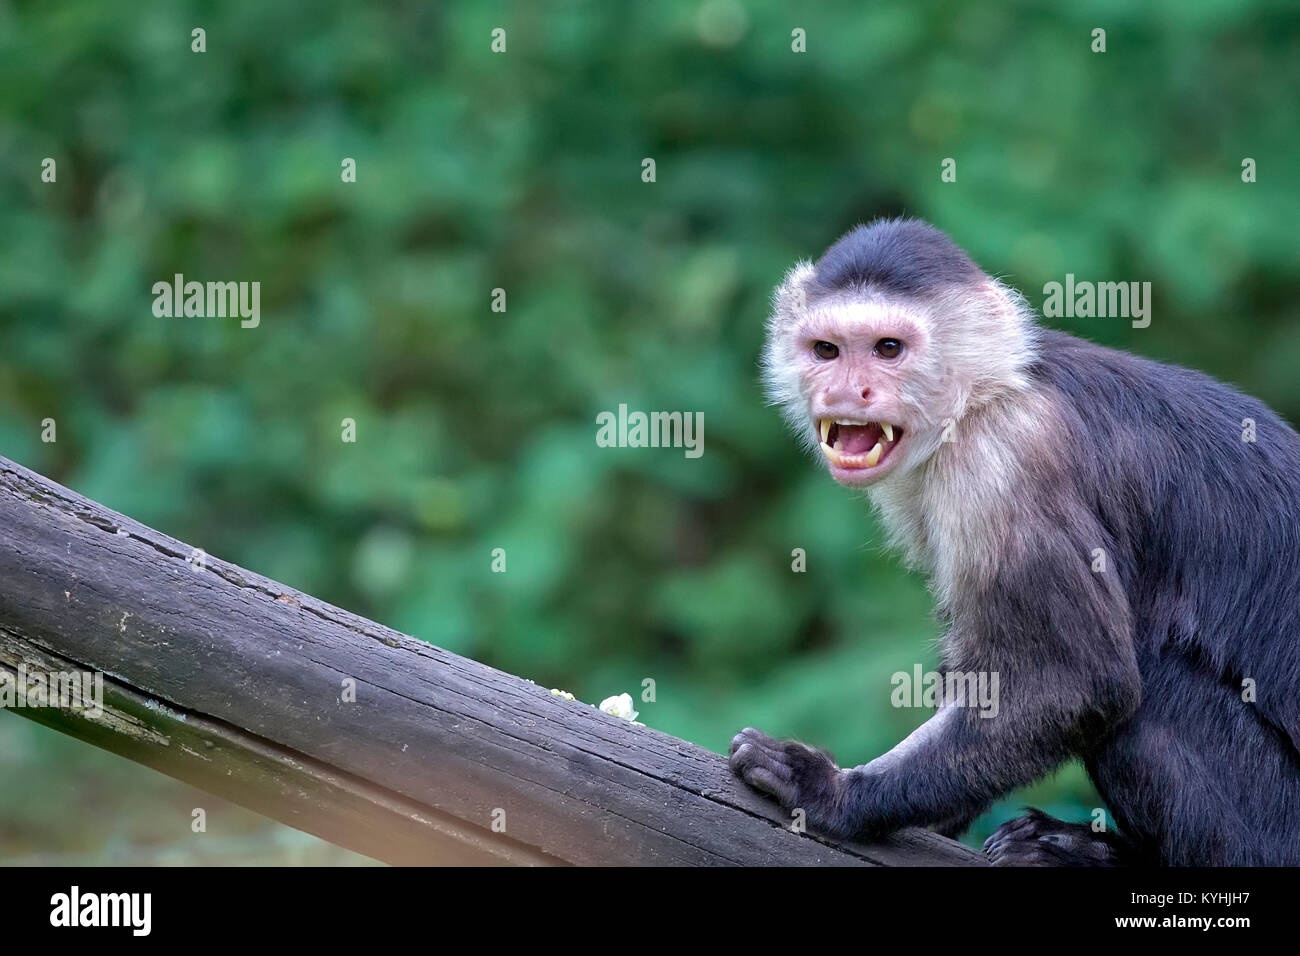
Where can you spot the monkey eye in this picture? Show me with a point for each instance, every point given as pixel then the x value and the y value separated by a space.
pixel 825 350
pixel 889 348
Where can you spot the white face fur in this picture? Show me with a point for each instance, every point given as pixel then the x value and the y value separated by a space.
pixel 943 385
pixel 875 385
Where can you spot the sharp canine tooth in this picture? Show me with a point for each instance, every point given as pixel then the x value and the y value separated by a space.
pixel 825 424
pixel 888 429
pixel 873 456
pixel 830 453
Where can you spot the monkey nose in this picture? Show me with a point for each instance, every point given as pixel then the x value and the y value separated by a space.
pixel 866 392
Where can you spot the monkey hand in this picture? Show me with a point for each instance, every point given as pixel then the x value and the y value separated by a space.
pixel 798 776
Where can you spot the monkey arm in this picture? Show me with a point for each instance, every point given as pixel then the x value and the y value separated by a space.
pixel 949 769
pixel 946 771
pixel 1059 638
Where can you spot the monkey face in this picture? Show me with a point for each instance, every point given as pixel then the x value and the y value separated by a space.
pixel 850 372
pixel 854 364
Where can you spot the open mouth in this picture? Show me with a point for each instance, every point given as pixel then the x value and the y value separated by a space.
pixel 854 445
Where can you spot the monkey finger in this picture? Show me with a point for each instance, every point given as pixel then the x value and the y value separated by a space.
pixel 755 738
pixel 748 757
pixel 1009 855
pixel 1011 830
pixel 761 779
pixel 999 841
pixel 768 744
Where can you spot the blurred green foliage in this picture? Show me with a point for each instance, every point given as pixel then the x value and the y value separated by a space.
pixel 522 171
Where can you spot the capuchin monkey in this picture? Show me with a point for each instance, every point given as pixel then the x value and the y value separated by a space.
pixel 1117 539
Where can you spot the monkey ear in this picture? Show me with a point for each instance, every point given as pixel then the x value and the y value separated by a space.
pixel 1005 317
pixel 791 296
pixel 1006 304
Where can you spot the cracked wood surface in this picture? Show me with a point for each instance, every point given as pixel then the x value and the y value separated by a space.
pixel 234 683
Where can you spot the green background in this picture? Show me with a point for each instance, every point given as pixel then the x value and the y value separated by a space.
pixel 476 429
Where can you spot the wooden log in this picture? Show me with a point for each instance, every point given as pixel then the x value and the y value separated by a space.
pixel 236 684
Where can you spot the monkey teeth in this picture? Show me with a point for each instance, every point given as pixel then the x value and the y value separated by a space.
pixel 845 443
pixel 869 460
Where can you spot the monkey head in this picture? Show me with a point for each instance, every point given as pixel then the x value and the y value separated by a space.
pixel 877 351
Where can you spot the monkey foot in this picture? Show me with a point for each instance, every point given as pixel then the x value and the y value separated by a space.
pixel 1039 840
